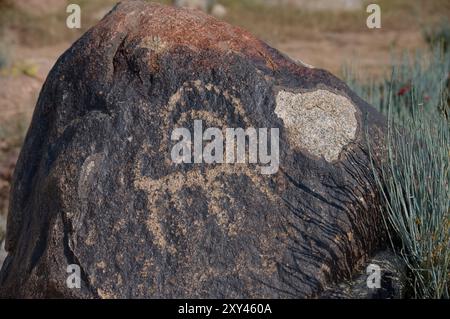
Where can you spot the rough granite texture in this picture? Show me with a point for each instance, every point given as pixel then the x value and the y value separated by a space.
pixel 319 122
pixel 95 184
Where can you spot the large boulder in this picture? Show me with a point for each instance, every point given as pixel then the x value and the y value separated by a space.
pixel 96 184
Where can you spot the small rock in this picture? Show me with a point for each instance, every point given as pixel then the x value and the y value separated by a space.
pixel 219 11
pixel 204 5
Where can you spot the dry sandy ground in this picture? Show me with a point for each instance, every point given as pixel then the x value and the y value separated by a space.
pixel 18 93
pixel 370 52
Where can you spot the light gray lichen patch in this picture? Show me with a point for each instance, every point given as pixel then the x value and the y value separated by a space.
pixel 320 122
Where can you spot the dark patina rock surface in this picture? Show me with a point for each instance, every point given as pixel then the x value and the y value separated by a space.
pixel 95 184
pixel 393 280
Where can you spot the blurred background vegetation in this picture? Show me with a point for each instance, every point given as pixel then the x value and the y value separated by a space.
pixel 402 69
pixel 414 180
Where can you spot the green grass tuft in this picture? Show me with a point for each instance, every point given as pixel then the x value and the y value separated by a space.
pixel 414 180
